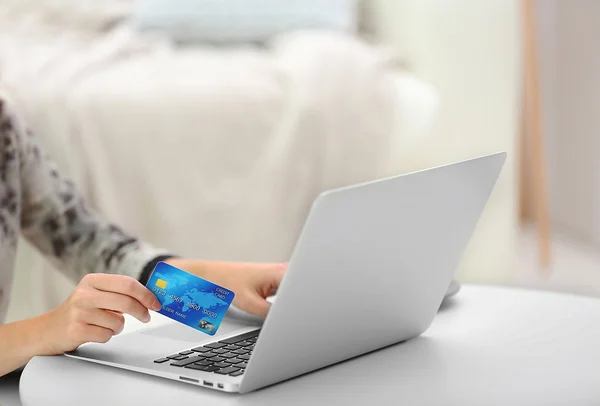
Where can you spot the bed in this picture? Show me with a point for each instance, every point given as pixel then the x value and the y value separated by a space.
pixel 209 151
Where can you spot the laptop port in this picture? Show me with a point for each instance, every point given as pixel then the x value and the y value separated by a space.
pixel 185 378
pixel 220 385
pixel 206 383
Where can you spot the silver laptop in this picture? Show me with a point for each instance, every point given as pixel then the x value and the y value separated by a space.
pixel 370 269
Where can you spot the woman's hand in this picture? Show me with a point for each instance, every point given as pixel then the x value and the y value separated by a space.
pixel 94 312
pixel 252 283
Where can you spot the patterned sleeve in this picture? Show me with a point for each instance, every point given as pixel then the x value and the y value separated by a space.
pixel 55 218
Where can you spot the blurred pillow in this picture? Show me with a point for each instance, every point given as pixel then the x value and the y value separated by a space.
pixel 230 21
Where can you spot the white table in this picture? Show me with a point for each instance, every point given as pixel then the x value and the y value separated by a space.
pixel 492 346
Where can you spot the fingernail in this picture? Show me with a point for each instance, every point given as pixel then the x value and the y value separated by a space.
pixel 146 318
pixel 156 305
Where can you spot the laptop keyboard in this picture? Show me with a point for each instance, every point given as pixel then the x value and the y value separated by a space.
pixel 225 357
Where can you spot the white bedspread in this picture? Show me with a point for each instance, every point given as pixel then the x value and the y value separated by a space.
pixel 210 152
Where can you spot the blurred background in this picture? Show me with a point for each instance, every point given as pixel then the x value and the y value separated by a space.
pixel 207 127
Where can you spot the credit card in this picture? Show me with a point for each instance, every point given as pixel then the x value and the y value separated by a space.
pixel 188 299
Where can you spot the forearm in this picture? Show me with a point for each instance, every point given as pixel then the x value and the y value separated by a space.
pixel 56 219
pixel 78 241
pixel 19 342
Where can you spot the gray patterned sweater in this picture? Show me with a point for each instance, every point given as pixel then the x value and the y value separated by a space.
pixel 37 202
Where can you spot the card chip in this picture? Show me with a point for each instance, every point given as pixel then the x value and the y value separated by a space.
pixel 161 283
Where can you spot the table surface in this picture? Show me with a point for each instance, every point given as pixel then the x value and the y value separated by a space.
pixel 488 345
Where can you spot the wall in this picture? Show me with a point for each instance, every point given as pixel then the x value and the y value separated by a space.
pixel 570 66
pixel 470 51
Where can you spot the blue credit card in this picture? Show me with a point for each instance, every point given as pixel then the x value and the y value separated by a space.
pixel 189 299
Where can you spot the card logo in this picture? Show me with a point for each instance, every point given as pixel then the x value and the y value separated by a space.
pixel 205 325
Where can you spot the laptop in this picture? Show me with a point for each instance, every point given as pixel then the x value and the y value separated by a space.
pixel 370 269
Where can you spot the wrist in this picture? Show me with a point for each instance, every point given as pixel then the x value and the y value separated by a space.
pixel 149 267
pixel 21 341
pixel 37 336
